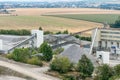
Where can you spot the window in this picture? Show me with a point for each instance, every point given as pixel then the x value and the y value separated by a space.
pixel 105 44
pixel 111 43
pixel 117 44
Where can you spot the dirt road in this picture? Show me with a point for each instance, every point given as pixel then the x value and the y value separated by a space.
pixel 27 71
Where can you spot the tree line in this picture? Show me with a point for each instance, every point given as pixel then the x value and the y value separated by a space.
pixel 116 24
pixel 15 32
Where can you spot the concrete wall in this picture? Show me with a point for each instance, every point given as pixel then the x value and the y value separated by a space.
pixel 38 40
pixel 1 44
pixel 103 44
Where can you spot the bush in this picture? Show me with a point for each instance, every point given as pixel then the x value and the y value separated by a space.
pixel 58 51
pixel 85 67
pixel 61 64
pixel 104 72
pixel 65 32
pixel 21 55
pixel 34 61
pixel 15 32
pixel 83 38
pixel 117 69
pixel 69 77
pixel 115 78
pixel 40 28
pixel 47 32
pixel 59 32
pixel 47 51
pixel 9 56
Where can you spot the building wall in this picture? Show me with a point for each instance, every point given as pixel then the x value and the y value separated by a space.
pixel 96 43
pixel 107 38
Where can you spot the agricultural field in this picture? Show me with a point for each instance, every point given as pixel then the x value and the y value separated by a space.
pixel 33 18
pixel 46 22
pixel 99 18
pixel 53 11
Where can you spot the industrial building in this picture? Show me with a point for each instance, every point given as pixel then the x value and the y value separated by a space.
pixel 107 39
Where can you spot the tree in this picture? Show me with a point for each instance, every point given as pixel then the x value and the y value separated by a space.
pixel 115 77
pixel 60 64
pixel 85 67
pixel 40 28
pixel 59 32
pixel 117 69
pixel 104 72
pixel 21 54
pixel 117 23
pixel 47 51
pixel 65 32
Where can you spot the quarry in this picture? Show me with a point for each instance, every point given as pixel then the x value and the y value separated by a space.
pixel 102 49
pixel 101 45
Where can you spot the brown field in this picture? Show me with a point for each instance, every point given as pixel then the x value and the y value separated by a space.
pixel 32 18
pixel 46 22
pixel 50 11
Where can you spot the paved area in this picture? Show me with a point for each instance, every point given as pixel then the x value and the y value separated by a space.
pixel 114 62
pixel 32 72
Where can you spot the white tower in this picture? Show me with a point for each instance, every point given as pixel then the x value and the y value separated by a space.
pixel 1 44
pixel 38 40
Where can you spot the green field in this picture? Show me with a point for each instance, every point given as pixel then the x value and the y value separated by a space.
pixel 100 18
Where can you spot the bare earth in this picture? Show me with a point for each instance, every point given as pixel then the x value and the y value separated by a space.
pixel 27 71
pixel 10 78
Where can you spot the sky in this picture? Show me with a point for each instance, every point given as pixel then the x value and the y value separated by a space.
pixel 40 0
pixel 58 0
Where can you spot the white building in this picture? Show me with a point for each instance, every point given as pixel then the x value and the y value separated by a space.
pixel 107 39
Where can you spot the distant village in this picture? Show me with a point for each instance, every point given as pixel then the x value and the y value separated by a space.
pixel 62 4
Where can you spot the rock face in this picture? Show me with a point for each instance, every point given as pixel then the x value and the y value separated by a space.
pixel 10 78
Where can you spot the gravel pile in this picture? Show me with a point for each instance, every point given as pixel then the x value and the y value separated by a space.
pixel 74 53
